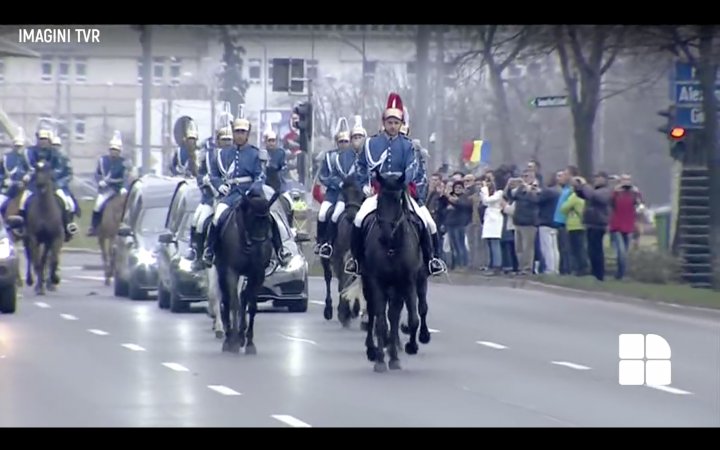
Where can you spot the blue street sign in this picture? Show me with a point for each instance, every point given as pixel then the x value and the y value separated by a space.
pixel 686 72
pixel 689 117
pixel 691 94
pixel 551 101
pixel 686 94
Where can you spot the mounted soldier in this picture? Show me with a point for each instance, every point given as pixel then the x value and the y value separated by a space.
pixel 184 160
pixel 390 153
pixel 240 169
pixel 13 168
pixel 344 161
pixel 110 177
pixel 63 177
pixel 207 165
pixel 332 180
pixel 276 165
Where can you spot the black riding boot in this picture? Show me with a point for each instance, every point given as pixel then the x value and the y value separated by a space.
pixel 354 264
pixel 209 253
pixel 67 220
pixel 321 230
pixel 436 265
pixel 94 223
pixel 282 253
pixel 326 249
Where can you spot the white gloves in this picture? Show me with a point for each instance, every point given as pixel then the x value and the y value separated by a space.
pixel 102 184
pixel 6 182
pixel 206 179
pixel 123 191
pixel 224 189
pixel 26 178
pixel 368 190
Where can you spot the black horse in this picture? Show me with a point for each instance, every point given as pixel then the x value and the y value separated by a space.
pixel 244 249
pixel 391 259
pixel 339 236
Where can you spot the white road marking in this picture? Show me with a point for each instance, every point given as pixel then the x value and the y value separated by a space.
pixel 88 277
pixel 98 332
pixel 317 302
pixel 176 367
pixel 491 345
pixel 290 420
pixel 133 347
pixel 433 330
pixel 42 305
pixel 670 389
pixel 68 317
pixel 297 339
pixel 224 390
pixel 570 365
pixel 71 268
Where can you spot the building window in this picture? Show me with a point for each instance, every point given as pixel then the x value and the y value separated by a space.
pixel 254 70
pixel 2 70
pixel 79 124
pixel 47 68
pixel 64 69
pixel 139 71
pixel 311 69
pixel 158 70
pixel 175 66
pixel 80 70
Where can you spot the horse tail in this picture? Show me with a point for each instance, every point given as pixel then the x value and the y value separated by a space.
pixel 354 291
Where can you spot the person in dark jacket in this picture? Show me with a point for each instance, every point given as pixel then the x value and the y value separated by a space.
pixel 595 219
pixel 525 220
pixel 459 208
pixel 547 203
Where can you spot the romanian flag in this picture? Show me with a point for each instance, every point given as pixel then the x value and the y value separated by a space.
pixel 476 151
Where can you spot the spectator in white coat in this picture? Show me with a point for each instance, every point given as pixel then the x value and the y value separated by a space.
pixel 492 227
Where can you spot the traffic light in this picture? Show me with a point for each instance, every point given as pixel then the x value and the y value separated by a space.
pixel 669 115
pixel 304 124
pixel 678 133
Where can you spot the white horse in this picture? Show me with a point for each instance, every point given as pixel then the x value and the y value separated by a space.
pixel 214 302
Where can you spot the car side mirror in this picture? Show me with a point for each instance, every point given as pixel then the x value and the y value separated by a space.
pixel 15 222
pixel 124 231
pixel 301 236
pixel 166 238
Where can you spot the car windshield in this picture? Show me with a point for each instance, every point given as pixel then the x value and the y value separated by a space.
pixel 183 232
pixel 152 220
pixel 284 234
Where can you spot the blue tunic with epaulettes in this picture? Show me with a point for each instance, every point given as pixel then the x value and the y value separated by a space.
pixel 181 162
pixel 390 156
pixel 343 165
pixel 64 173
pixel 275 169
pixel 35 154
pixel 12 170
pixel 112 171
pixel 239 167
pixel 421 179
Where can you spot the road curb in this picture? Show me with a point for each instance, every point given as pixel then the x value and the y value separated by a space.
pixel 514 283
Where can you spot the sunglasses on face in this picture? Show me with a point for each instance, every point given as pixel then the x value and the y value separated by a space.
pixel 343 142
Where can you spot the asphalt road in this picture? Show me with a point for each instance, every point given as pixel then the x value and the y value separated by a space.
pixel 498 357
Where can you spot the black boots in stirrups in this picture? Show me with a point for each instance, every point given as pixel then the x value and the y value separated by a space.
pixel 352 266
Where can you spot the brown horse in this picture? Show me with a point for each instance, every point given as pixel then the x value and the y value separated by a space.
pixel 106 232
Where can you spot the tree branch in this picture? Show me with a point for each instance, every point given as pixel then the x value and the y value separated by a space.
pixel 614 52
pixel 577 49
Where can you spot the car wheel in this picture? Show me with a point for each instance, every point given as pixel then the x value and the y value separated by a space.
pixel 120 287
pixel 177 305
pixel 163 297
pixel 299 307
pixel 8 300
pixel 135 292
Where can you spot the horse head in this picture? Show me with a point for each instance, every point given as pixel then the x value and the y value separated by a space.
pixel 44 180
pixel 392 186
pixel 256 216
pixel 391 208
pixel 353 196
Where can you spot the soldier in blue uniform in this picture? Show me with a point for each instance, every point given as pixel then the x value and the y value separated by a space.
pixel 332 179
pixel 240 169
pixel 388 152
pixel 184 160
pixel 63 177
pixel 207 166
pixel 110 177
pixel 343 162
pixel 13 168
pixel 276 165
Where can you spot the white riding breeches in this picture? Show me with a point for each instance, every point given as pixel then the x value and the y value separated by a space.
pixel 339 208
pixel 370 205
pixel 201 214
pixel 101 199
pixel 324 208
pixel 24 198
pixel 219 210
pixel 3 199
pixel 69 203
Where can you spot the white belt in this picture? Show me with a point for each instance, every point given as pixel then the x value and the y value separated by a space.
pixel 239 180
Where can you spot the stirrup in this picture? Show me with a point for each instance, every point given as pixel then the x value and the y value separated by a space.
pixel 326 251
pixel 284 257
pixel 436 266
pixel 72 228
pixel 352 267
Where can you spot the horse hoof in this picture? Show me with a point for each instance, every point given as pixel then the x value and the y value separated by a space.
pixel 327 312
pixel 51 287
pixel 411 348
pixel 395 364
pixel 404 328
pixel 346 323
pixel 226 346
pixel 344 312
pixel 251 350
pixel 364 326
pixel 241 341
pixel 424 337
pixel 356 308
pixel 370 353
pixel 219 334
pixel 380 367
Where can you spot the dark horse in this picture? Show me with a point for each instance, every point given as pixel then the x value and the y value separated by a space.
pixel 244 249
pixel 44 232
pixel 390 262
pixel 342 232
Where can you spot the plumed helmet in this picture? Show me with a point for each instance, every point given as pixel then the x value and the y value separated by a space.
pixel 358 129
pixel 394 107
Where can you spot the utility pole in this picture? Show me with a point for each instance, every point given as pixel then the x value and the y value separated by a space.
pixel 440 95
pixel 419 113
pixel 146 41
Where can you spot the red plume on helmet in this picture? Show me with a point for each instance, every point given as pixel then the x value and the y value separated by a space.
pixel 394 107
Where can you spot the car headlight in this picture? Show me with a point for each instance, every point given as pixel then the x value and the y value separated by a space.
pixel 146 257
pixel 185 265
pixel 296 263
pixel 6 248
